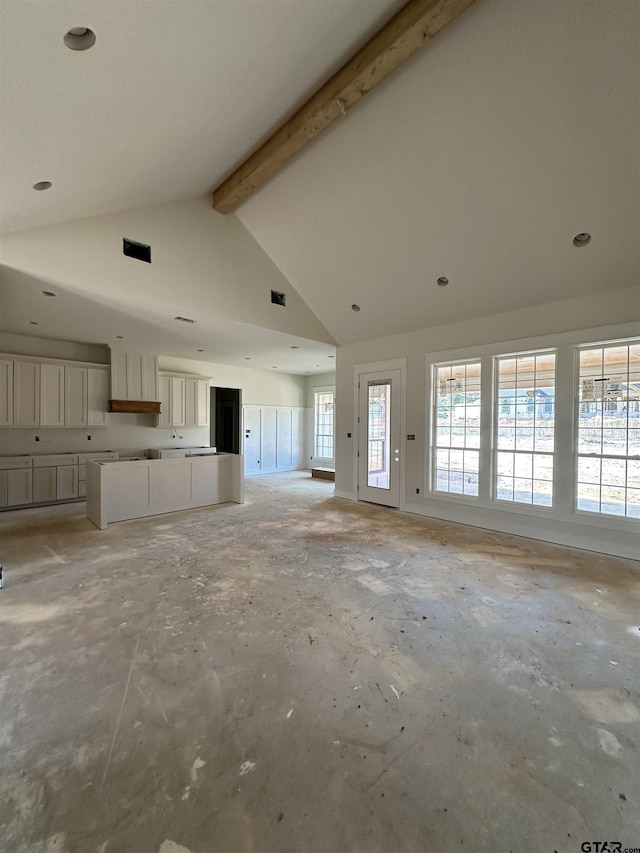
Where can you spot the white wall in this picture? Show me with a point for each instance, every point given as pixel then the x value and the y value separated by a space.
pixel 200 259
pixel 259 387
pixel 621 307
pixel 318 381
pixel 46 348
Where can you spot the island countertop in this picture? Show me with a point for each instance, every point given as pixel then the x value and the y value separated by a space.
pixel 135 488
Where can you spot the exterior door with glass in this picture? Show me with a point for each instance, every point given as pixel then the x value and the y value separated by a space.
pixel 379 409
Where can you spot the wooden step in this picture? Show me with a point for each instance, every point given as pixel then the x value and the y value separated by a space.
pixel 324 473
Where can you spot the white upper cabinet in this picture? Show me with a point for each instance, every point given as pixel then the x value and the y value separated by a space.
pixel 52 395
pixel 26 393
pixel 6 393
pixel 184 401
pixel 134 376
pixel 75 396
pixel 97 396
pixel 164 418
pixel 196 402
pixel 177 402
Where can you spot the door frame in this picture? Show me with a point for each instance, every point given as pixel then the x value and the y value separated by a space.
pixel 379 367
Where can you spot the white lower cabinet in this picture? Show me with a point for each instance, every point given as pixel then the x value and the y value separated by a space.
pixel 19 487
pixel 67 482
pixel 44 485
pixel 47 479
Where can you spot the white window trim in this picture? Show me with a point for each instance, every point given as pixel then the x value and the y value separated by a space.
pixel 537 508
pixel 594 517
pixel 564 511
pixel 324 389
pixel 432 446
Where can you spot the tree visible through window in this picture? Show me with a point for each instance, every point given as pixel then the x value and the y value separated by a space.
pixel 324 424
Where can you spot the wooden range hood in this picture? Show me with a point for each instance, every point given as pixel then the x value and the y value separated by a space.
pixel 135 407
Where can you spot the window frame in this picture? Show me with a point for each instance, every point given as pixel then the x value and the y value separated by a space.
pixel 593 517
pixel 317 391
pixel 433 436
pixel 495 449
pixel 561 524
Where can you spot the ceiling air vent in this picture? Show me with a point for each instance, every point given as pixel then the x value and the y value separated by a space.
pixel 278 298
pixel 139 251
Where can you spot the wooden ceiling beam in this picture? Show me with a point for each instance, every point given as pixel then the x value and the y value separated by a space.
pixel 414 26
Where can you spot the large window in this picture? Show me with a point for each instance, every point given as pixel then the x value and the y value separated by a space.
pixel 324 423
pixel 457 428
pixel 609 430
pixel 525 428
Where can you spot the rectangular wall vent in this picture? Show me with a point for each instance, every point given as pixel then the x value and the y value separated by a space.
pixel 279 298
pixel 184 319
pixel 139 251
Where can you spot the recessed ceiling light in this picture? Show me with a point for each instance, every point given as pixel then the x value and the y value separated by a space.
pixel 79 38
pixel 200 350
pixel 295 347
pixel 355 307
pixel 47 293
pixel 33 322
pixel 331 356
pixel 42 185
pixel 247 358
pixel 275 367
pixel 582 239
pixel 443 281
pixel 184 319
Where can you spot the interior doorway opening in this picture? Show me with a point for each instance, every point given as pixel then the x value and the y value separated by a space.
pixel 226 420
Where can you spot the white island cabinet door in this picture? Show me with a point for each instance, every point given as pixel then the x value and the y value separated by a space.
pixel 97 396
pixel 6 393
pixel 26 393
pixel 75 403
pixel 51 395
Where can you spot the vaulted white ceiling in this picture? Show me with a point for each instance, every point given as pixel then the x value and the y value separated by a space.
pixel 479 160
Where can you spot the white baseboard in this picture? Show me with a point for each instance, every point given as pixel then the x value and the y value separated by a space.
pixel 348 496
pixel 614 542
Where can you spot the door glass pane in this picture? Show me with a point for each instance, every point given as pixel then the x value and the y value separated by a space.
pixel 378 438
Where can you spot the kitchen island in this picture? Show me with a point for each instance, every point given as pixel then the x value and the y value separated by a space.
pixel 120 490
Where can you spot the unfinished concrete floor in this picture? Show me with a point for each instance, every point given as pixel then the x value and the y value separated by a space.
pixel 306 675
